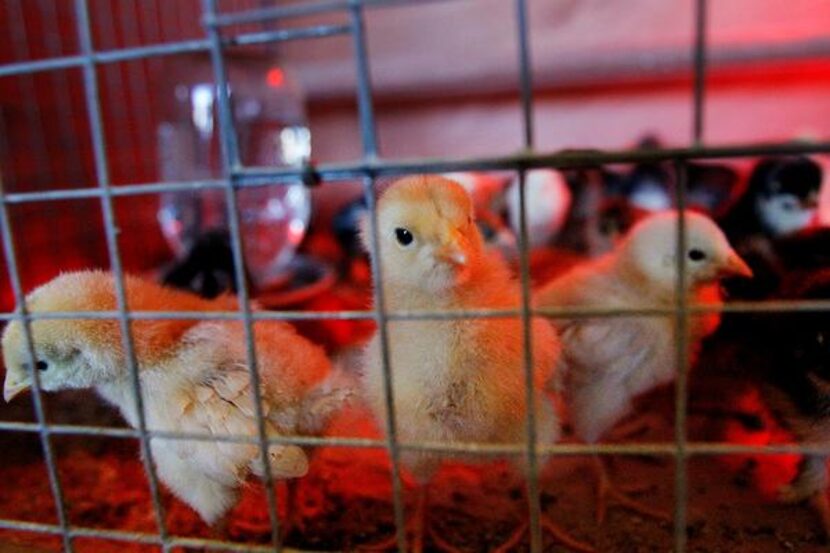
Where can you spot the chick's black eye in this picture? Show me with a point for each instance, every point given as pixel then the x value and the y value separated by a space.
pixel 697 255
pixel 40 365
pixel 403 236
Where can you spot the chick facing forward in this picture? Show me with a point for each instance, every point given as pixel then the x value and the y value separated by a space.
pixel 459 380
pixel 608 361
pixel 194 379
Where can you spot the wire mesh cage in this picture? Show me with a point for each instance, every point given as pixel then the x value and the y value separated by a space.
pixel 244 25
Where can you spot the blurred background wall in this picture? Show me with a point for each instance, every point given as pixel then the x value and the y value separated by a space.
pixel 445 79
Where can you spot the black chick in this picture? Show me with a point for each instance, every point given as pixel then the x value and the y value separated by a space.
pixel 780 199
pixel 786 356
pixel 586 230
pixel 208 267
pixel 653 185
pixel 797 386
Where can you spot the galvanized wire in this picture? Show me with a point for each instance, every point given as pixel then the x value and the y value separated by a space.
pixel 368 136
pixel 700 61
pixel 476 448
pixel 167 49
pixel 40 414
pixel 526 100
pixel 681 333
pixel 368 168
pixel 330 174
pixel 681 485
pixel 96 125
pixel 308 8
pixel 771 306
pixel 136 537
pixel 230 159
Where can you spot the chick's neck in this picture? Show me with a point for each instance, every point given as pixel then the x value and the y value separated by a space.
pixel 157 386
pixel 487 285
pixel 649 291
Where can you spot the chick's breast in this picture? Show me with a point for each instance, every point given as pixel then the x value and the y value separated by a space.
pixel 462 381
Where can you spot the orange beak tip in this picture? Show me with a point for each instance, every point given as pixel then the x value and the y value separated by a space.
pixel 10 392
pixel 453 256
pixel 459 258
pixel 735 266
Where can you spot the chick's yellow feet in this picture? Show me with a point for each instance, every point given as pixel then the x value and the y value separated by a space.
pixel 547 525
pixel 559 534
pixel 416 527
pixel 608 494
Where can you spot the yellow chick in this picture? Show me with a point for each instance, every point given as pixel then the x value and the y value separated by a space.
pixel 453 380
pixel 194 379
pixel 608 361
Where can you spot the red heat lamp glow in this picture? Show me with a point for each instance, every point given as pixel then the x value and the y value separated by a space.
pixel 275 77
pixel 768 472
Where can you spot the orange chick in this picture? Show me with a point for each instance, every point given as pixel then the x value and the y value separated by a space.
pixel 194 379
pixel 455 380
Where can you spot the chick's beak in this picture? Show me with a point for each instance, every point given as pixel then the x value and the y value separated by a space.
pixel 735 266
pixel 451 255
pixel 12 388
pixel 453 250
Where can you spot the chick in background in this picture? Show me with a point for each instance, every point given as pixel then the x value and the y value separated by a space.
pixel 547 204
pixel 609 199
pixel 780 199
pixel 607 361
pixel 459 380
pixel 786 357
pixel 194 379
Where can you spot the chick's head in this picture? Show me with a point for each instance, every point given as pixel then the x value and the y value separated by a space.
pixel 63 354
pixel 650 250
pixel 427 238
pixel 80 353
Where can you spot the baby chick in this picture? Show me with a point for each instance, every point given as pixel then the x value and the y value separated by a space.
pixel 547 204
pixel 194 379
pixel 780 199
pixel 786 356
pixel 453 380
pixel 607 362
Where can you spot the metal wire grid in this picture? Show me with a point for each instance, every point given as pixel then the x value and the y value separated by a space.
pixel 368 169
